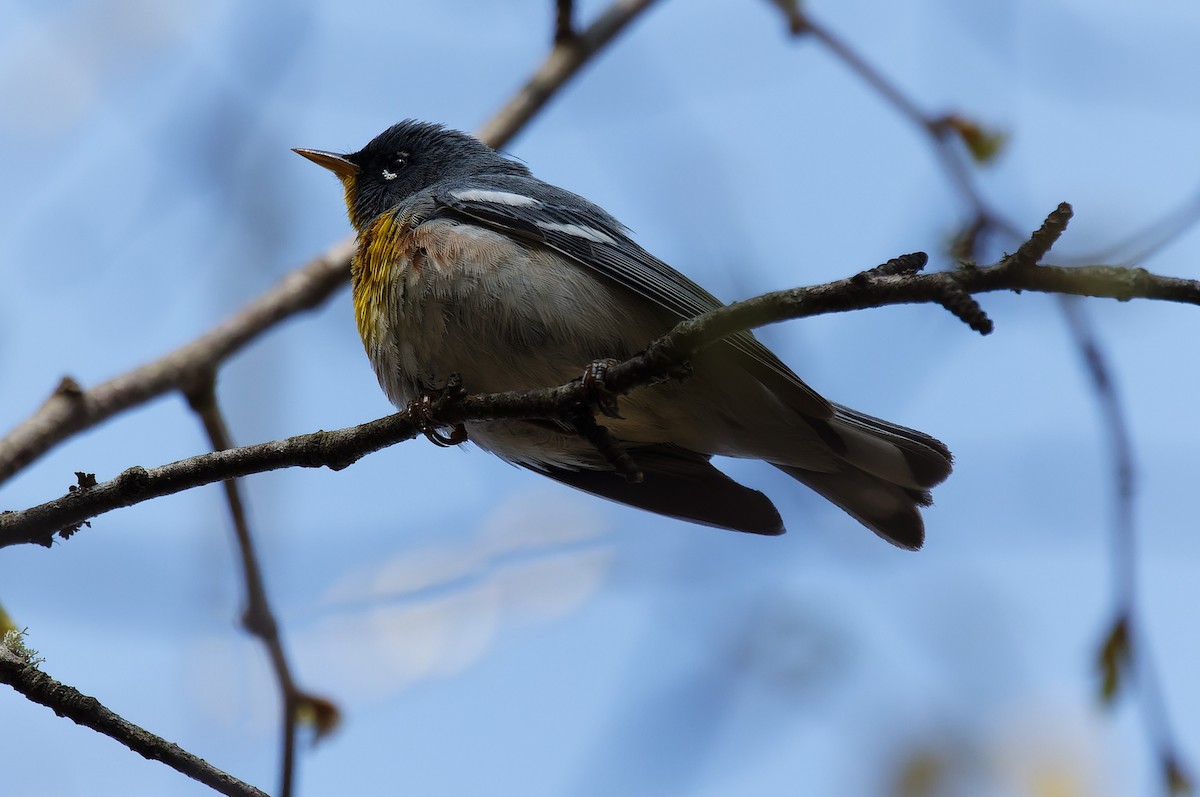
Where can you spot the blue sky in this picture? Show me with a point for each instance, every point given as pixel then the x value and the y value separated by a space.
pixel 485 631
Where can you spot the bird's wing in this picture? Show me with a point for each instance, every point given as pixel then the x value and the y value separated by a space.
pixel 539 213
pixel 679 484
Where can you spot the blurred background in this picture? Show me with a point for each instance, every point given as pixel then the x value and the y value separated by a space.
pixel 487 632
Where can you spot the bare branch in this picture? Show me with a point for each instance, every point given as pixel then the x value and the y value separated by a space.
pixel 87 711
pixel 257 616
pixel 662 359
pixel 335 450
pixel 1034 249
pixel 560 66
pixel 942 132
pixel 71 409
pixel 564 27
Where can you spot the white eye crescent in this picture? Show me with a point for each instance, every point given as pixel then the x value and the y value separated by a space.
pixel 400 161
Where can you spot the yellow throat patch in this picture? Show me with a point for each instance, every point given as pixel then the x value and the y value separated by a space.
pixel 382 254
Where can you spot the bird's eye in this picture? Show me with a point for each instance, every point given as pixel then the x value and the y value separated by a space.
pixel 392 170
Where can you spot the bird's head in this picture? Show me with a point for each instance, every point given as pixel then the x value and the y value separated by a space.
pixel 404 159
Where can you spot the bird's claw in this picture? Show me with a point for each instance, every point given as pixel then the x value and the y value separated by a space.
pixel 423 412
pixel 596 391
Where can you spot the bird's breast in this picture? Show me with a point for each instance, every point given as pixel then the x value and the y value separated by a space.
pixel 443 297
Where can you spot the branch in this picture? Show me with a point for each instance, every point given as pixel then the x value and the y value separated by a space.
pixel 564 27
pixel 87 711
pixel 561 65
pixel 661 360
pixel 71 409
pixel 257 616
pixel 1117 652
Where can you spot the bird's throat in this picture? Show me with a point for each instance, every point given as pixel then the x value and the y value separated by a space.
pixel 381 257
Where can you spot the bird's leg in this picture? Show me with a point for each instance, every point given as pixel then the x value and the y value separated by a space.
pixel 422 409
pixel 609 447
pixel 594 389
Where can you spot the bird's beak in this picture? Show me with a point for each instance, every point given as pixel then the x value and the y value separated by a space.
pixel 338 164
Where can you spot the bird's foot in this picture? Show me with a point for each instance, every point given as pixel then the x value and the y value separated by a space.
pixel 595 391
pixel 423 411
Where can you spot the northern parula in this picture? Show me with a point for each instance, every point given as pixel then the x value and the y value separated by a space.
pixel 467 265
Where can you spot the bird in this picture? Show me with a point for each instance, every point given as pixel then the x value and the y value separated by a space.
pixel 469 271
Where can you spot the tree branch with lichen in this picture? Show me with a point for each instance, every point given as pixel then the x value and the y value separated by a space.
pixel 19 669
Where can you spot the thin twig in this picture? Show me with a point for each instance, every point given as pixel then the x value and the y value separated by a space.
pixel 941 133
pixel 71 409
pixel 560 65
pixel 1035 248
pixel 1157 234
pixel 564 26
pixel 1131 646
pixel 87 711
pixel 257 616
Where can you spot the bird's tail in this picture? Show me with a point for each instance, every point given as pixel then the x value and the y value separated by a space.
pixel 889 471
